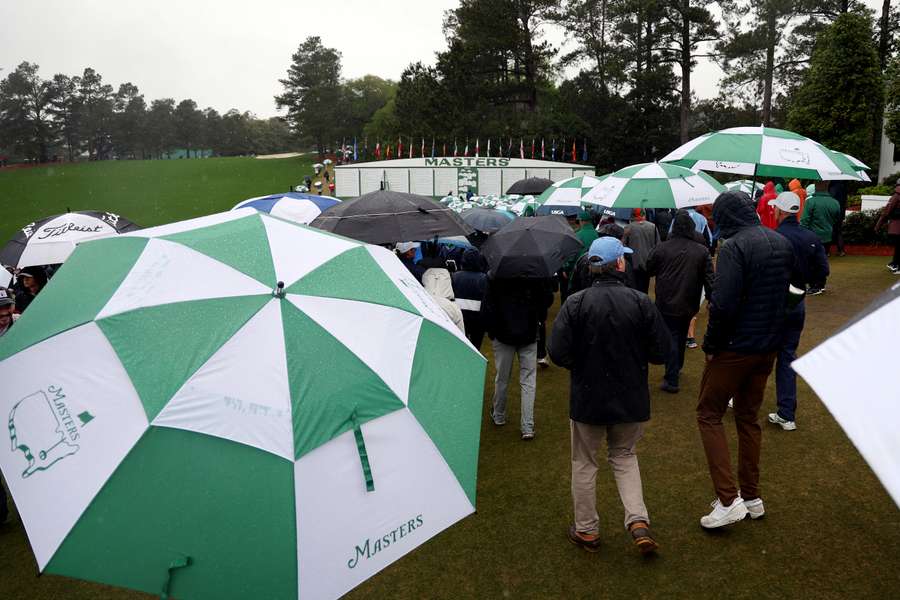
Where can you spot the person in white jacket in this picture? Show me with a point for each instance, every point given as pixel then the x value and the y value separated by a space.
pixel 438 283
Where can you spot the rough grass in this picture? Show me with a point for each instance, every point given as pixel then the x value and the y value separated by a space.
pixel 831 531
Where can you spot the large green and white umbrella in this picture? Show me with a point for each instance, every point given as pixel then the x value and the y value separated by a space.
pixel 568 192
pixel 760 151
pixel 654 185
pixel 744 185
pixel 180 423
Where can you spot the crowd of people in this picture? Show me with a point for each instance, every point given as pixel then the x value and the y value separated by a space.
pixel 751 261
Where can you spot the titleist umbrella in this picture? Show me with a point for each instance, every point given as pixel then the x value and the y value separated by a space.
pixel 533 247
pixel 50 241
pixel 531 185
pixel 384 217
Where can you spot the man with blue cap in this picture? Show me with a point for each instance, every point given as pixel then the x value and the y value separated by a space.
pixel 606 334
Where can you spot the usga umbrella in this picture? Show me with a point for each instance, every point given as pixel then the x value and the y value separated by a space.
pixel 866 404
pixel 565 197
pixel 51 240
pixel 654 185
pixel 293 206
pixel 236 407
pixel 760 151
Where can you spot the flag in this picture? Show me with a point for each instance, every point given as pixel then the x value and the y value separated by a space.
pixel 365 152
pixel 444 149
pixel 553 150
pixel 542 148
pixel 355 153
pixel 378 150
pixel 466 151
pixel 584 151
pixel 455 148
pixel 477 147
pixel 423 147
pixel 509 149
pixel 489 147
pixel 562 151
pixel 521 148
pixel 532 147
pixel 410 147
pixel 399 147
pixel 574 151
pixel 388 153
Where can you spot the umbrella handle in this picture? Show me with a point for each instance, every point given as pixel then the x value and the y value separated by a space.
pixel 179 563
pixel 363 454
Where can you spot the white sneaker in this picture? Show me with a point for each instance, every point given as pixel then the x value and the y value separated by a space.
pixel 755 508
pixel 731 403
pixel 724 515
pixel 785 424
pixel 543 363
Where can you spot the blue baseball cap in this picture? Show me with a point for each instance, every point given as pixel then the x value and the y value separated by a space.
pixel 607 249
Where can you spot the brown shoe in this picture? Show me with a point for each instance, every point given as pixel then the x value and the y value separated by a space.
pixel 588 541
pixel 643 539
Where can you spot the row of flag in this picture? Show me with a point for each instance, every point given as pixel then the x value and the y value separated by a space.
pixel 542 151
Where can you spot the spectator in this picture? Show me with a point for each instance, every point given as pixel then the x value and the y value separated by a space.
pixel 437 282
pixel 746 315
pixel 797 187
pixel 810 264
pixel 469 285
pixel 7 316
pixel 511 310
pixel 606 335
pixel 662 218
pixel 765 212
pixel 683 269
pixel 820 214
pixel 582 277
pixel 838 191
pixel 32 280
pixel 891 215
pixel 406 252
pixel 642 237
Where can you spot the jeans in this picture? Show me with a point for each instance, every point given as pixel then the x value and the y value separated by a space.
pixel 742 377
pixel 678 327
pixel 620 442
pixel 785 377
pixel 503 360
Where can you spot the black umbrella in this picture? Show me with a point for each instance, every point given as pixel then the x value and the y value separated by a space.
pixel 532 185
pixel 534 247
pixel 486 220
pixel 383 217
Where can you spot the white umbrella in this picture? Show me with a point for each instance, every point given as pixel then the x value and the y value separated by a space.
pixel 852 374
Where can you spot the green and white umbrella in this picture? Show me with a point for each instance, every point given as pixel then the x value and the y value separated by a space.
pixel 851 163
pixel 760 151
pixel 568 192
pixel 180 423
pixel 744 185
pixel 654 185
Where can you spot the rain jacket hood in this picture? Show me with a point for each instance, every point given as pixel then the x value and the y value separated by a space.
pixel 683 225
pixel 732 212
pixel 471 260
pixel 437 282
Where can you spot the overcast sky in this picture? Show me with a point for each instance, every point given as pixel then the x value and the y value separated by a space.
pixel 229 53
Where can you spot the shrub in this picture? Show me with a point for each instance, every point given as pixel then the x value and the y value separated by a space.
pixel 876 190
pixel 891 180
pixel 859 228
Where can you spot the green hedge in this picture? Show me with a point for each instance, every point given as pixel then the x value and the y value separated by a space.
pixel 859 228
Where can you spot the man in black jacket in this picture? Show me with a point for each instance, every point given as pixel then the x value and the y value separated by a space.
pixel 468 287
pixel 747 311
pixel 811 265
pixel 606 335
pixel 683 268
pixel 511 311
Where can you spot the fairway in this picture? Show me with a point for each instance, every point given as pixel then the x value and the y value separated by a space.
pixel 148 192
pixel 830 530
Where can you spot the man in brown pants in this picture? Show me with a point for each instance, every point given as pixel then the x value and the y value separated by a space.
pixel 747 309
pixel 606 335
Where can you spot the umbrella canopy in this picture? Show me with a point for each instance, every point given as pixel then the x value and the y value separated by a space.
pixel 761 151
pixel 853 168
pixel 866 404
pixel 51 240
pixel 486 220
pixel 293 206
pixel 566 197
pixel 383 217
pixel 190 427
pixel 534 247
pixel 744 185
pixel 655 185
pixel 531 185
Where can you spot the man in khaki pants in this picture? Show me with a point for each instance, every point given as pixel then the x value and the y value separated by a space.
pixel 606 335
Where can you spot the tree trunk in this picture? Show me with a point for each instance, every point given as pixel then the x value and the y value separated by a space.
pixel 884 36
pixel 770 69
pixel 685 72
pixel 530 63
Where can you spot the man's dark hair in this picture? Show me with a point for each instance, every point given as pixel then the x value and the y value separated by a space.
pixel 604 269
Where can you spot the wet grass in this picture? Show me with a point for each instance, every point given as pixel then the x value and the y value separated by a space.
pixel 831 531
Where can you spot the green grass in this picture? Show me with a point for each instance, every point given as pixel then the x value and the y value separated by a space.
pixel 148 192
pixel 831 531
